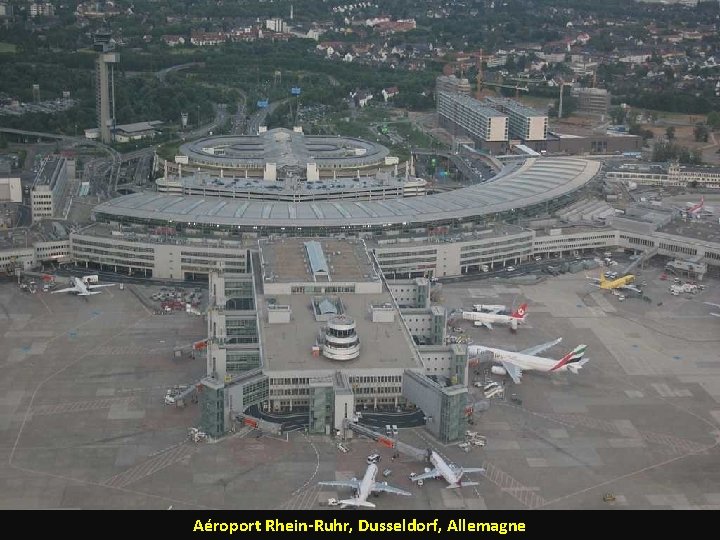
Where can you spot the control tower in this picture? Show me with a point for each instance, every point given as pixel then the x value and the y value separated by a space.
pixel 105 83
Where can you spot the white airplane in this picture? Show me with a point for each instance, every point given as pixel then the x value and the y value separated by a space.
pixel 486 319
pixel 697 210
pixel 714 305
pixel 451 473
pixel 513 363
pixel 81 288
pixel 364 487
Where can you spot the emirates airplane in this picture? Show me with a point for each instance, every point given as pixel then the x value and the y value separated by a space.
pixel 514 363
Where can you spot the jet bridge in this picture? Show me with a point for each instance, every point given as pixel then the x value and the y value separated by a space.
pixel 403 448
pixel 641 260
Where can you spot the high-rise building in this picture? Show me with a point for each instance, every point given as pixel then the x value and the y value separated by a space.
pixel 526 124
pixel 452 85
pixel 467 116
pixel 105 84
pixel 592 100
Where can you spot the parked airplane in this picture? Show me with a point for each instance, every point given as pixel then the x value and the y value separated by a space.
pixel 82 288
pixel 364 487
pixel 714 305
pixel 624 283
pixel 451 473
pixel 513 363
pixel 697 210
pixel 486 319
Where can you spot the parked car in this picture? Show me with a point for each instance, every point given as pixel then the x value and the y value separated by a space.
pixel 373 458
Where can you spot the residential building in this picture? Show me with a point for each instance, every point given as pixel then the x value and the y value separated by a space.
pixel 464 115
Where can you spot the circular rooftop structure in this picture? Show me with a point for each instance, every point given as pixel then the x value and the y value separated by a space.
pixel 341 341
pixel 290 151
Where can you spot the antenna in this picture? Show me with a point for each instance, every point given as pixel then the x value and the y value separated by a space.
pixel 479 74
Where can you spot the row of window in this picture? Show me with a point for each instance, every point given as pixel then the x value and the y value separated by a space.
pixel 386 255
pixel 321 289
pixel 288 381
pixel 215 255
pixel 112 244
pixel 503 243
pixel 378 390
pixel 289 392
pixel 106 253
pixel 374 379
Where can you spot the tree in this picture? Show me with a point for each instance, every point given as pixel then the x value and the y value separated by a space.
pixel 618 115
pixel 713 120
pixel 701 132
pixel 670 133
pixel 696 156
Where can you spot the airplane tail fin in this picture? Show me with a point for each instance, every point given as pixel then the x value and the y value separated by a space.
pixel 520 312
pixel 573 356
pixel 577 366
pixel 356 502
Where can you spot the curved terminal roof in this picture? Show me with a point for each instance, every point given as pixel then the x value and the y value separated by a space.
pixel 285 148
pixel 536 181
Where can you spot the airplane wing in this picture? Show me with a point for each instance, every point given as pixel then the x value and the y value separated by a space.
pixel 354 484
pixel 383 487
pixel 98 286
pixel 473 470
pixel 424 476
pixel 88 293
pixel 534 351
pixel 512 370
pixel 69 289
pixel 487 325
pixel 631 288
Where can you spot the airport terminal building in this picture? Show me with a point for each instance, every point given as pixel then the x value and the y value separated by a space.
pixel 316 330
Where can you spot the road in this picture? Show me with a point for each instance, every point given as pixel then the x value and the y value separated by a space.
pixel 258 118
pixel 163 73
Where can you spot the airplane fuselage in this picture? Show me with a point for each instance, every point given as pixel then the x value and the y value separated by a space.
pixel 488 317
pixel 617 283
pixel 367 482
pixel 525 362
pixel 80 285
pixel 450 476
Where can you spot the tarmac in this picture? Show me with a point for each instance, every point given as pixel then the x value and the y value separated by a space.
pixel 83 424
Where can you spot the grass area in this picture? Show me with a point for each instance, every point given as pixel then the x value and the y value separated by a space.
pixel 183 51
pixel 169 150
pixel 7 47
pixel 415 137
